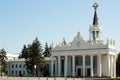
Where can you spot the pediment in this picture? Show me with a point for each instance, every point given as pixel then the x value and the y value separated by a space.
pixel 78 41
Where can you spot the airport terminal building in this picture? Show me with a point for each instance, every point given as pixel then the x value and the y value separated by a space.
pixel 80 58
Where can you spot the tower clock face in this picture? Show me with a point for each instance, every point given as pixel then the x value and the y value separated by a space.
pixel 78 44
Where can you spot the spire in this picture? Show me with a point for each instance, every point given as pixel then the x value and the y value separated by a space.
pixel 95 18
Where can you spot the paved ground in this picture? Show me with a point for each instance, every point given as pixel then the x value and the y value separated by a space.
pixel 49 78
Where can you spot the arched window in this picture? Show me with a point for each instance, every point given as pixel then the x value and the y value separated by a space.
pixel 93 32
pixel 87 60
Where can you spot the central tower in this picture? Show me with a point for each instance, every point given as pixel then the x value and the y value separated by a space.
pixel 95 30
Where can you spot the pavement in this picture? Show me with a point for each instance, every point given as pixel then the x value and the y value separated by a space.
pixel 47 78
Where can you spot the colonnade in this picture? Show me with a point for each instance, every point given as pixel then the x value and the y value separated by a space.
pixel 110 65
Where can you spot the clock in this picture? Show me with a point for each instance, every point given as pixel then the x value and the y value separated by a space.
pixel 78 44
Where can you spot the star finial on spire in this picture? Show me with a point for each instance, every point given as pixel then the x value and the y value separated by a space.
pixel 95 5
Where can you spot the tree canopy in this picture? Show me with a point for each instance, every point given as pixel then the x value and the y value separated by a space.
pixel 3 63
pixel 33 57
pixel 46 53
pixel 118 65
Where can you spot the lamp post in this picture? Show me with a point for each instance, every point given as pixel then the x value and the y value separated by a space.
pixel 35 66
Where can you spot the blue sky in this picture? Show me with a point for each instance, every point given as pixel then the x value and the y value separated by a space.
pixel 52 20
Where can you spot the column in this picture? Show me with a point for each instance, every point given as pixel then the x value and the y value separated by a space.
pixel 52 65
pixel 114 66
pixel 59 65
pixel 65 66
pixel 73 66
pixel 56 67
pixel 111 65
pixel 91 61
pixel 108 65
pixel 99 65
pixel 83 65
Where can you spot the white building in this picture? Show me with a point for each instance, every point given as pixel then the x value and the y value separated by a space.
pixel 93 57
pixel 16 66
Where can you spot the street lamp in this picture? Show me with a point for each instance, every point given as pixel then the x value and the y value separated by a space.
pixel 0 70
pixel 35 66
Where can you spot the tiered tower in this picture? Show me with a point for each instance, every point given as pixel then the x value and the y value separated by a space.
pixel 95 29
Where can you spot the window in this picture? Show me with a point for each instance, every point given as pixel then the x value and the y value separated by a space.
pixel 23 72
pixel 93 35
pixel 16 65
pixel 12 65
pixel 12 72
pixel 16 72
pixel 87 60
pixel 6 72
pixel 79 61
pixel 24 66
pixel 97 32
pixel 20 66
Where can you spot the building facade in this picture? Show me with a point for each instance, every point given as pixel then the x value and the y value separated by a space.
pixel 92 58
pixel 17 67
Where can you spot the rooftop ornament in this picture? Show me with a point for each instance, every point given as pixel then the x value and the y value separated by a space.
pixel 95 5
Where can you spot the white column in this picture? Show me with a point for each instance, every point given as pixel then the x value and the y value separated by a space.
pixel 114 66
pixel 65 66
pixel 59 65
pixel 99 65
pixel 73 66
pixel 83 65
pixel 91 61
pixel 108 65
pixel 52 62
pixel 111 65
pixel 56 68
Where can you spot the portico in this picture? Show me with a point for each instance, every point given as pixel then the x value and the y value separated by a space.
pixel 83 66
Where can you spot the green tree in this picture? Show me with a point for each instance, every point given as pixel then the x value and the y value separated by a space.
pixel 24 53
pixel 3 62
pixel 33 56
pixel 118 65
pixel 46 53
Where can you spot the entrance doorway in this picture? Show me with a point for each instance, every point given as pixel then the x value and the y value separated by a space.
pixel 87 72
pixel 79 70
